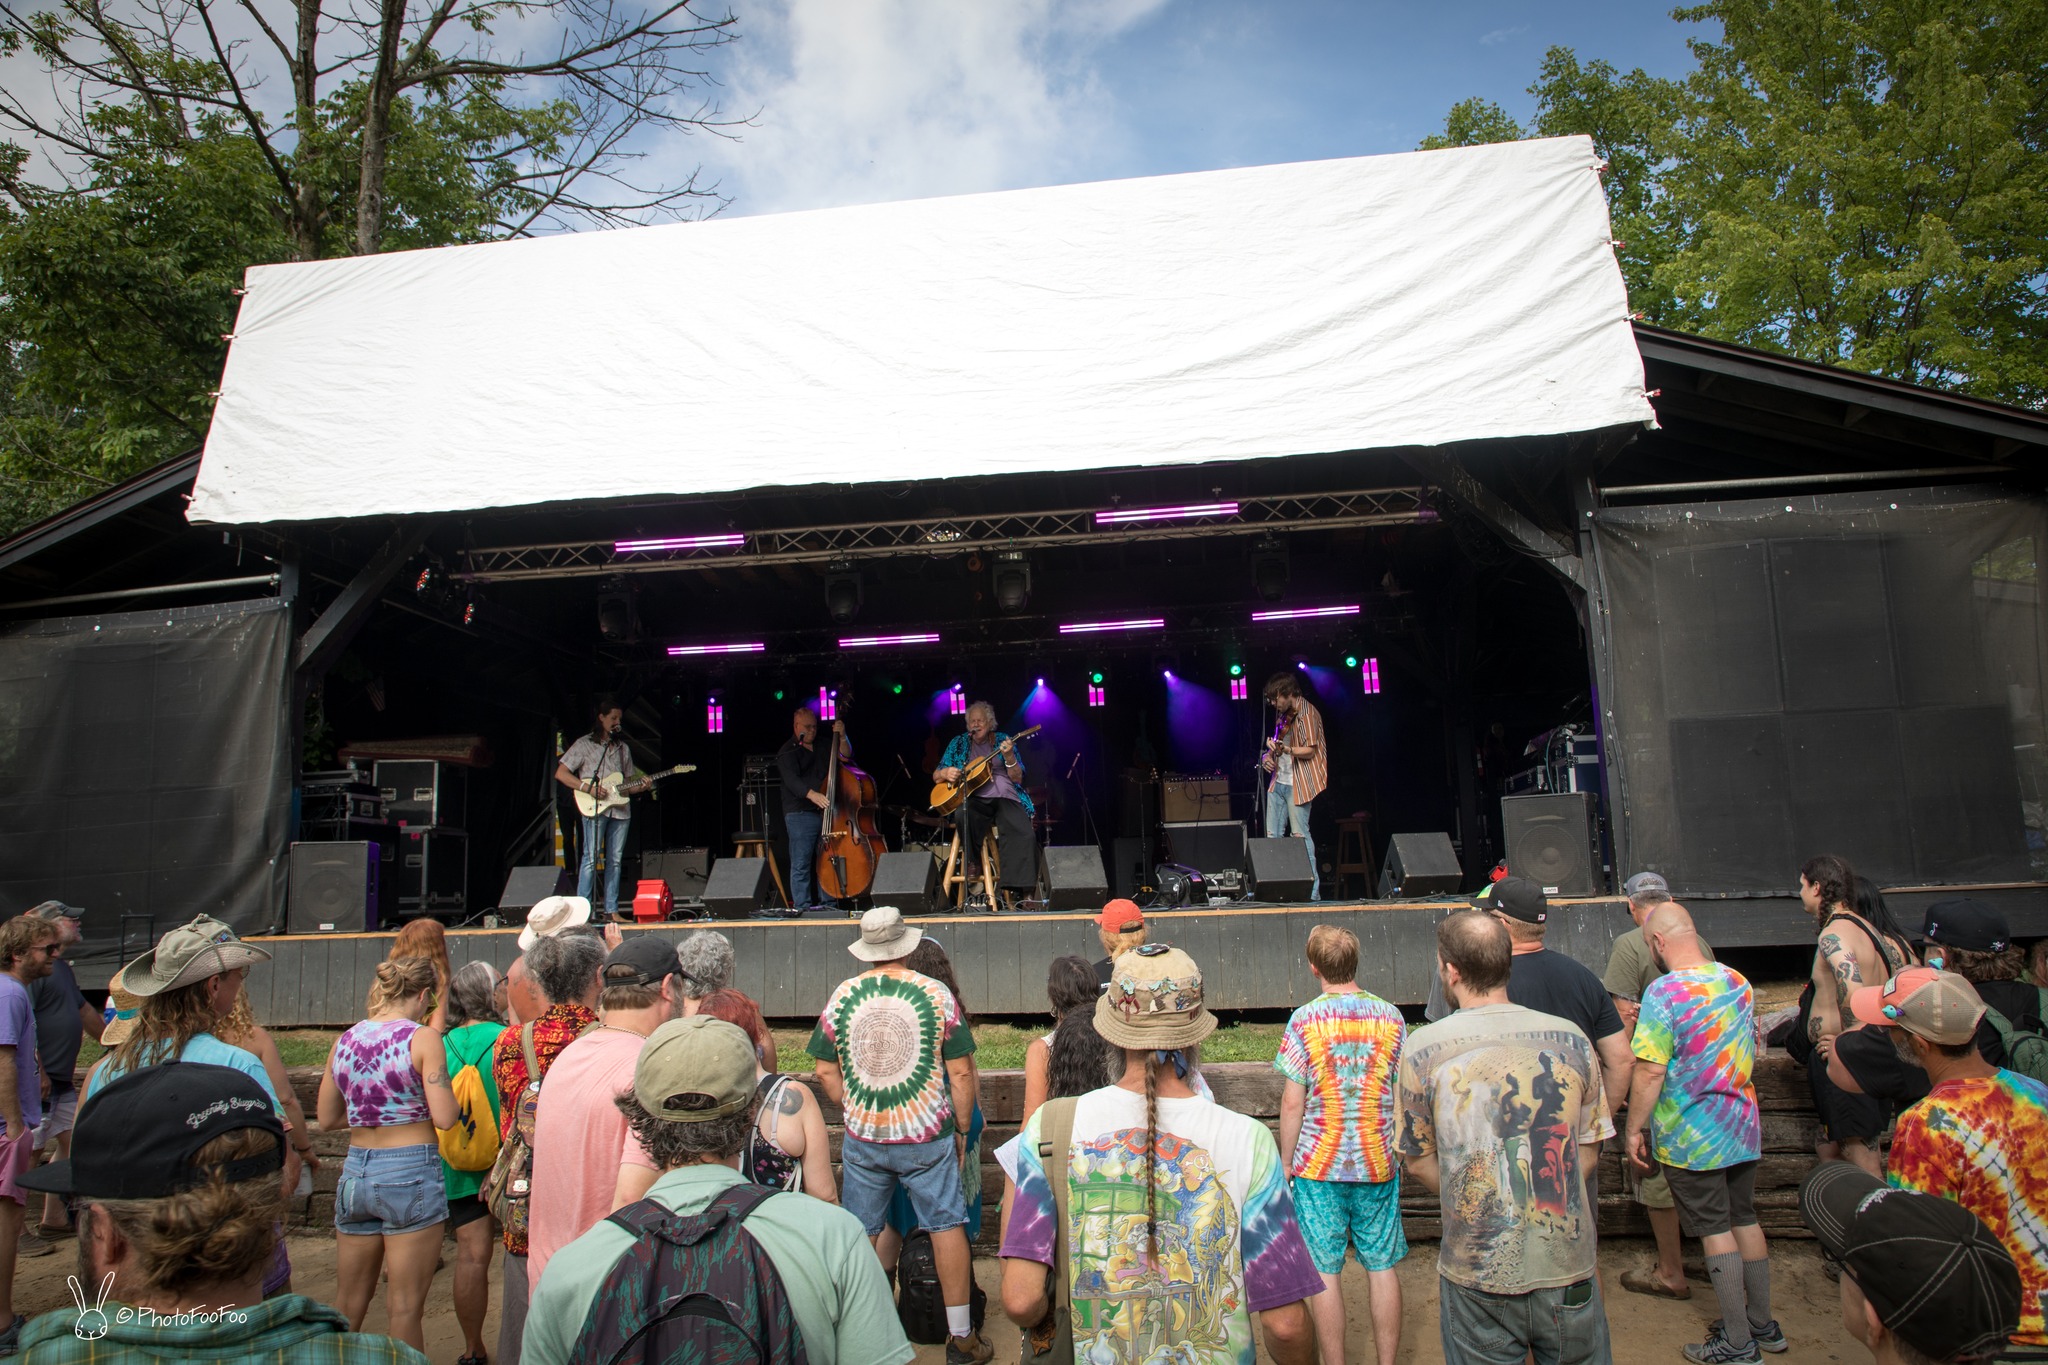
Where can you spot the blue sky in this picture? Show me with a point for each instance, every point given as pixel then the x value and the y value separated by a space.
pixel 862 100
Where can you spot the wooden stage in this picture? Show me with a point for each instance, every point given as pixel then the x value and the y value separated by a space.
pixel 1251 954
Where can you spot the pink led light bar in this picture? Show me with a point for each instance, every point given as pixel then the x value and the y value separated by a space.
pixel 1193 509
pixel 753 647
pixel 639 547
pixel 1096 627
pixel 1369 674
pixel 870 641
pixel 1305 613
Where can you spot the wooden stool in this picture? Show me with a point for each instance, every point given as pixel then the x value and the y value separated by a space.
pixel 1354 852
pixel 954 883
pixel 756 846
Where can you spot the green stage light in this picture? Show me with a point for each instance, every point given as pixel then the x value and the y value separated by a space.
pixel 1237 670
pixel 1351 661
pixel 778 694
pixel 897 689
pixel 1095 678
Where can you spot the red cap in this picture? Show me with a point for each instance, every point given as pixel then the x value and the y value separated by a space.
pixel 1120 916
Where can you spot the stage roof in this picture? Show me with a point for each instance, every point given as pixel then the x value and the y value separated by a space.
pixel 1417 299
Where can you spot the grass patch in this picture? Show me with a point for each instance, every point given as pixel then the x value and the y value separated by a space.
pixel 1000 1047
pixel 298 1047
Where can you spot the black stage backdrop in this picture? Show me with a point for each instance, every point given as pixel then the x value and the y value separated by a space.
pixel 1857 674
pixel 145 770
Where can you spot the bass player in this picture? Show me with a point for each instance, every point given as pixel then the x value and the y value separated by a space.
pixel 1003 803
pixel 589 761
pixel 801 766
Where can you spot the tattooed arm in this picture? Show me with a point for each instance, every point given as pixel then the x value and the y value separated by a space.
pixel 430 1057
pixel 1835 975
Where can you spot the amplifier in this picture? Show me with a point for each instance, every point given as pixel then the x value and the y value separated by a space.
pixel 1195 798
pixel 1207 845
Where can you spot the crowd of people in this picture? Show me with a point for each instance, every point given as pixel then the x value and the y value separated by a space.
pixel 609 1114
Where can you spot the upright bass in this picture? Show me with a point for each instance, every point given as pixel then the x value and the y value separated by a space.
pixel 850 845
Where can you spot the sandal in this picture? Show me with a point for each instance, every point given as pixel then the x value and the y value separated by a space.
pixel 1646 1282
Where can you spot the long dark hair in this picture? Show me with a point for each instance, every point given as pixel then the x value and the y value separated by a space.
pixel 1080 1058
pixel 929 959
pixel 1070 985
pixel 1831 875
pixel 1869 903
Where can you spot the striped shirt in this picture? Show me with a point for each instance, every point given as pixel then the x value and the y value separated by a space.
pixel 1311 774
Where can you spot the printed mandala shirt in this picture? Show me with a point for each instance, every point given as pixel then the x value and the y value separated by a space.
pixel 1227 1244
pixel 1699 1024
pixel 1984 1144
pixel 891 1034
pixel 1345 1049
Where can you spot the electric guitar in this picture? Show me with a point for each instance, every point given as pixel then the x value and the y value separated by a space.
pixel 615 790
pixel 948 797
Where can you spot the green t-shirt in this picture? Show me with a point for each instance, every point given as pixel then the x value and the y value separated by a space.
pixel 1630 969
pixel 835 1285
pixel 891 1034
pixel 471 1045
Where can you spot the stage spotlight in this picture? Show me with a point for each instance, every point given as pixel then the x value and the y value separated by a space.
pixel 1095 693
pixel 1012 582
pixel 842 592
pixel 1351 661
pixel 714 717
pixel 1096 677
pixel 1269 569
pixel 896 689
pixel 1237 670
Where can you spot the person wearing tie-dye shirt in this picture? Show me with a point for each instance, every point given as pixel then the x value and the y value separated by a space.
pixel 1692 1110
pixel 1341 1060
pixel 1980 1138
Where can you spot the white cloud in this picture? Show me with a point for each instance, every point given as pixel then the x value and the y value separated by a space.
pixel 868 100
pixel 1501 35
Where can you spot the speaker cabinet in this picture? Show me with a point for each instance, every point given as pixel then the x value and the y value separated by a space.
pixel 433 872
pixel 1209 846
pixel 738 888
pixel 1279 870
pixel 684 869
pixel 1550 841
pixel 1129 874
pixel 334 888
pixel 1420 865
pixel 526 887
pixel 909 881
pixel 1074 878
pixel 421 791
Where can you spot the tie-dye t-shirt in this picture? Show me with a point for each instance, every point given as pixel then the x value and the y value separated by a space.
pixel 1227 1245
pixel 1699 1024
pixel 890 1034
pixel 1984 1144
pixel 1503 1098
pixel 1346 1050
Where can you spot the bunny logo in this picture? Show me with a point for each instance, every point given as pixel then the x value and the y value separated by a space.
pixel 92 1322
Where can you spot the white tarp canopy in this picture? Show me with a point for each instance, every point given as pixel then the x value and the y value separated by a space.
pixel 1226 315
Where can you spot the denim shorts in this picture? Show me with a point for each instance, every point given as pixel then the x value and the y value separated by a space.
pixel 1335 1214
pixel 389 1190
pixel 869 1173
pixel 1567 1325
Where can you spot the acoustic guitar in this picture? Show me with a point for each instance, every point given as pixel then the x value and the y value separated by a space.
pixel 948 797
pixel 617 791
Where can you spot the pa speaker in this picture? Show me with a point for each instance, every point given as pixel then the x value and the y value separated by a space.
pixel 1209 846
pixel 1420 865
pixel 1550 841
pixel 684 869
pixel 738 887
pixel 333 888
pixel 1131 875
pixel 1074 878
pixel 908 880
pixel 1279 870
pixel 526 887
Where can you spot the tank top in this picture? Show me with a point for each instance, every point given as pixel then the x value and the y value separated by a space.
pixel 373 1070
pixel 764 1162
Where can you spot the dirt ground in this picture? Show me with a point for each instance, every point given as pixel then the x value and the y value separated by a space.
pixel 1644 1329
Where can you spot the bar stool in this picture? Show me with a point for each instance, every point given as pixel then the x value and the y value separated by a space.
pixel 1354 851
pixel 756 846
pixel 954 882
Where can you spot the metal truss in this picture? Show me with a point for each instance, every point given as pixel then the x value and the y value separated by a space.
pixel 948 535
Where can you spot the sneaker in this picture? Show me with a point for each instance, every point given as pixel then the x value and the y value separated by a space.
pixel 972 1349
pixel 32 1245
pixel 10 1340
pixel 1716 1350
pixel 1769 1337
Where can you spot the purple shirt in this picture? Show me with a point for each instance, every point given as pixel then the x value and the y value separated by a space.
pixel 18 1031
pixel 999 786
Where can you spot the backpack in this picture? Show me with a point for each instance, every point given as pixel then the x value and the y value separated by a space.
pixel 920 1304
pixel 472 1144
pixel 2025 1050
pixel 506 1190
pixel 1052 1342
pixel 691 1288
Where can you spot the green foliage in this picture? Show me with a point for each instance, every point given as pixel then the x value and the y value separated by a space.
pixel 1848 181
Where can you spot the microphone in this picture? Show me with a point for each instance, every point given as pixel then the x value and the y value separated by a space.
pixel 1075 764
pixel 905 766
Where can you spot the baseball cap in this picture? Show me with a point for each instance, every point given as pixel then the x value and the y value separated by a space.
pixel 1519 898
pixel 1967 924
pixel 1644 883
pixel 642 960
pixel 1935 1274
pixel 1120 916
pixel 1936 1005
pixel 137 1138
pixel 191 952
pixel 56 910
pixel 700 1055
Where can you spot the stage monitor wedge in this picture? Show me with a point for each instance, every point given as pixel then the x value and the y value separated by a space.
pixel 1551 842
pixel 333 888
pixel 684 869
pixel 1279 870
pixel 1208 846
pixel 737 889
pixel 526 887
pixel 909 881
pixel 1420 865
pixel 1074 878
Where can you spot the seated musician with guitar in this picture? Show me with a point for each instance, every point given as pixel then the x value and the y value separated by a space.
pixel 1000 800
pixel 584 769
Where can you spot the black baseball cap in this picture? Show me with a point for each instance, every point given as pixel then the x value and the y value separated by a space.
pixel 1935 1274
pixel 642 960
pixel 1519 898
pixel 137 1137
pixel 1970 925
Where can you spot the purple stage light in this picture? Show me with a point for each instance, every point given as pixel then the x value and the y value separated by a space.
pixel 1095 695
pixel 1041 682
pixel 870 641
pixel 1240 689
pixel 752 647
pixel 714 717
pixel 1166 673
pixel 1183 513
pixel 828 704
pixel 639 547
pixel 1305 613
pixel 1096 627
pixel 1369 673
pixel 1302 665
pixel 956 701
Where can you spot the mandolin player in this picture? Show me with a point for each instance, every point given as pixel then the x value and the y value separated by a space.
pixel 801 766
pixel 1002 803
pixel 590 760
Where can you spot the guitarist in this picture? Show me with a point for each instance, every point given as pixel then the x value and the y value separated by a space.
pixel 801 764
pixel 1002 802
pixel 1300 769
pixel 589 761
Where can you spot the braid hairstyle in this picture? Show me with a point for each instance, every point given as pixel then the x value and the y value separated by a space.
pixel 1151 1158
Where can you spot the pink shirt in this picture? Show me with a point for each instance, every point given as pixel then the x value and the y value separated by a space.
pixel 580 1140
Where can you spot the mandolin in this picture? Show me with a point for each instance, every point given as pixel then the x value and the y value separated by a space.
pixel 948 797
pixel 618 791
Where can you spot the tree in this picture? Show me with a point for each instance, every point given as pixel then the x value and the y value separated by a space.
pixel 1855 182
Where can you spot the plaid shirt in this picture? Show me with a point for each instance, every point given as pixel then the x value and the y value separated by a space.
pixel 288 1330
pixel 557 1027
